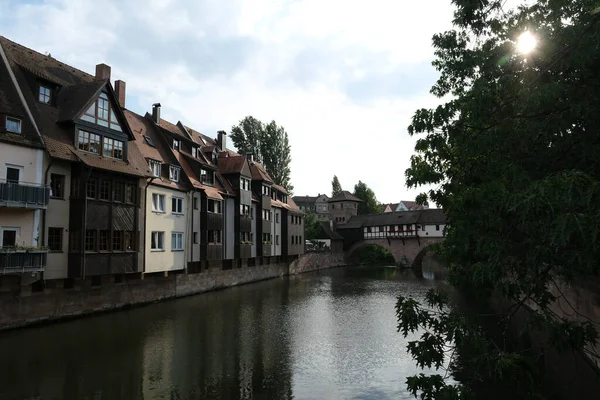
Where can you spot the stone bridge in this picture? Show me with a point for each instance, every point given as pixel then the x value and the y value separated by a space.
pixel 413 248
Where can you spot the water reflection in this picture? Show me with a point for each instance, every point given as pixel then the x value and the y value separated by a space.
pixel 317 336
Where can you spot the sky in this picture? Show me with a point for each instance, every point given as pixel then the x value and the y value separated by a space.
pixel 342 77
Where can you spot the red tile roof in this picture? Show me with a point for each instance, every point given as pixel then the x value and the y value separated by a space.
pixel 259 173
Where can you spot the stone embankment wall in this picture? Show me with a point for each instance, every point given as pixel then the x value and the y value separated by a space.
pixel 24 307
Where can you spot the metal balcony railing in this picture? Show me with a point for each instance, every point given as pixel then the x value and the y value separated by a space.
pixel 23 194
pixel 20 262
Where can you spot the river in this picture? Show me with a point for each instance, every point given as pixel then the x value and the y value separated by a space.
pixel 327 335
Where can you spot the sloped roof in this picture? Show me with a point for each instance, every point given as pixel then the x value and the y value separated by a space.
pixel 344 196
pixel 305 199
pixel 234 165
pixel 174 129
pixel 391 218
pixel 413 205
pixel 72 100
pixel 259 172
pixel 393 206
pixel 432 216
pixel 141 127
pixel 279 188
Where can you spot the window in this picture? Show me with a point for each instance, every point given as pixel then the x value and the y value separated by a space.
pixel 149 140
pixel 130 193
pixel 74 186
pixel 91 188
pixel 194 152
pixel 90 240
pixel 55 239
pixel 245 210
pixel 265 190
pixel 101 113
pixel 157 242
pixel 117 241
pixel 277 217
pixel 207 177
pixel 158 202
pixel 104 190
pixel 266 215
pixel 155 167
pixel 44 95
pixel 195 237
pixel 57 186
pixel 177 205
pixel 8 236
pixel 266 238
pixel 13 174
pixel 195 202
pixel 214 206
pixel 104 241
pixel 89 142
pixel 113 148
pixel 423 227
pixel 118 191
pixel 437 227
pixel 175 144
pixel 13 125
pixel 174 173
pixel 214 237
pixel 215 156
pixel 129 240
pixel 176 241
pixel 245 184
pixel 277 240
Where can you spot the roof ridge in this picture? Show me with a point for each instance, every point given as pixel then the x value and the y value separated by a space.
pixel 45 55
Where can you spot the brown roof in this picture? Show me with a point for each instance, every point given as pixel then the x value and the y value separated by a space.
pixel 59 135
pixel 412 205
pixel 234 165
pixel 259 172
pixel 141 127
pixel 344 196
pixel 280 188
pixel 174 129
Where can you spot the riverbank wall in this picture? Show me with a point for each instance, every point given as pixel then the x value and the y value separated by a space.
pixel 21 306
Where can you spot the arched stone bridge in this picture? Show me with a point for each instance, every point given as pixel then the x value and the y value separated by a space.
pixel 413 248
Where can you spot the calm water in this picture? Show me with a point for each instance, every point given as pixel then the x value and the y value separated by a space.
pixel 316 336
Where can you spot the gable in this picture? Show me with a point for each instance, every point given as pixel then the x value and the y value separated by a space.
pixel 101 111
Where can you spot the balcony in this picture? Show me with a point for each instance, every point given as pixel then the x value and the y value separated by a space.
pixel 22 261
pixel 23 195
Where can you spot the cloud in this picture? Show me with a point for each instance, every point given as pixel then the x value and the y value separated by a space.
pixel 343 78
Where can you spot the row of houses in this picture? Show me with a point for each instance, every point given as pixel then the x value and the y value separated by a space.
pixel 89 188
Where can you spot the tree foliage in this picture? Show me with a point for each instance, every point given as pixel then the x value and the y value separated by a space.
pixel 269 145
pixel 369 204
pixel 514 159
pixel 336 188
pixel 312 228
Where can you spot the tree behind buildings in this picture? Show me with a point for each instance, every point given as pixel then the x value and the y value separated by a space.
pixel 269 144
pixel 336 188
pixel 369 204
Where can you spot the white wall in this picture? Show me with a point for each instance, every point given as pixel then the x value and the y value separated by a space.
pixel 57 216
pixel 385 231
pixel 229 228
pixel 255 239
pixel 277 216
pixel 167 222
pixel 432 230
pixel 31 161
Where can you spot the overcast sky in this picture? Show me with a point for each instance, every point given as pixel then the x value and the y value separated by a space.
pixel 343 77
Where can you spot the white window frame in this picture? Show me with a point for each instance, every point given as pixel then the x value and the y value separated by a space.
pixel 10 228
pixel 17 167
pixel 155 165
pixel 179 202
pixel 159 205
pixel 176 241
pixel 157 241
pixel 176 144
pixel 17 121
pixel 174 173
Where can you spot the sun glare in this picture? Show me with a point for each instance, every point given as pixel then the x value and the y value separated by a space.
pixel 526 42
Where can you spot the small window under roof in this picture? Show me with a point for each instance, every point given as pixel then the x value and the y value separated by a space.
pixel 149 140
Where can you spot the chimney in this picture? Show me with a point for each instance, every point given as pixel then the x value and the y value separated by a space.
pixel 102 72
pixel 120 92
pixel 250 156
pixel 222 140
pixel 156 113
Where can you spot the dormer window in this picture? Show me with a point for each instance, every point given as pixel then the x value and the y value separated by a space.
pixel 207 177
pixel 13 125
pixel 214 157
pixel 266 190
pixel 113 148
pixel 194 152
pixel 101 113
pixel 155 167
pixel 244 184
pixel 174 173
pixel 89 142
pixel 175 144
pixel 44 95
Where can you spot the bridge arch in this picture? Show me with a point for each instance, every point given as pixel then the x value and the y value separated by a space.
pixel 352 253
pixel 412 249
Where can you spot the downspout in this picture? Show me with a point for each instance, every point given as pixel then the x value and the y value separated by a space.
pixel 145 221
pixel 43 235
